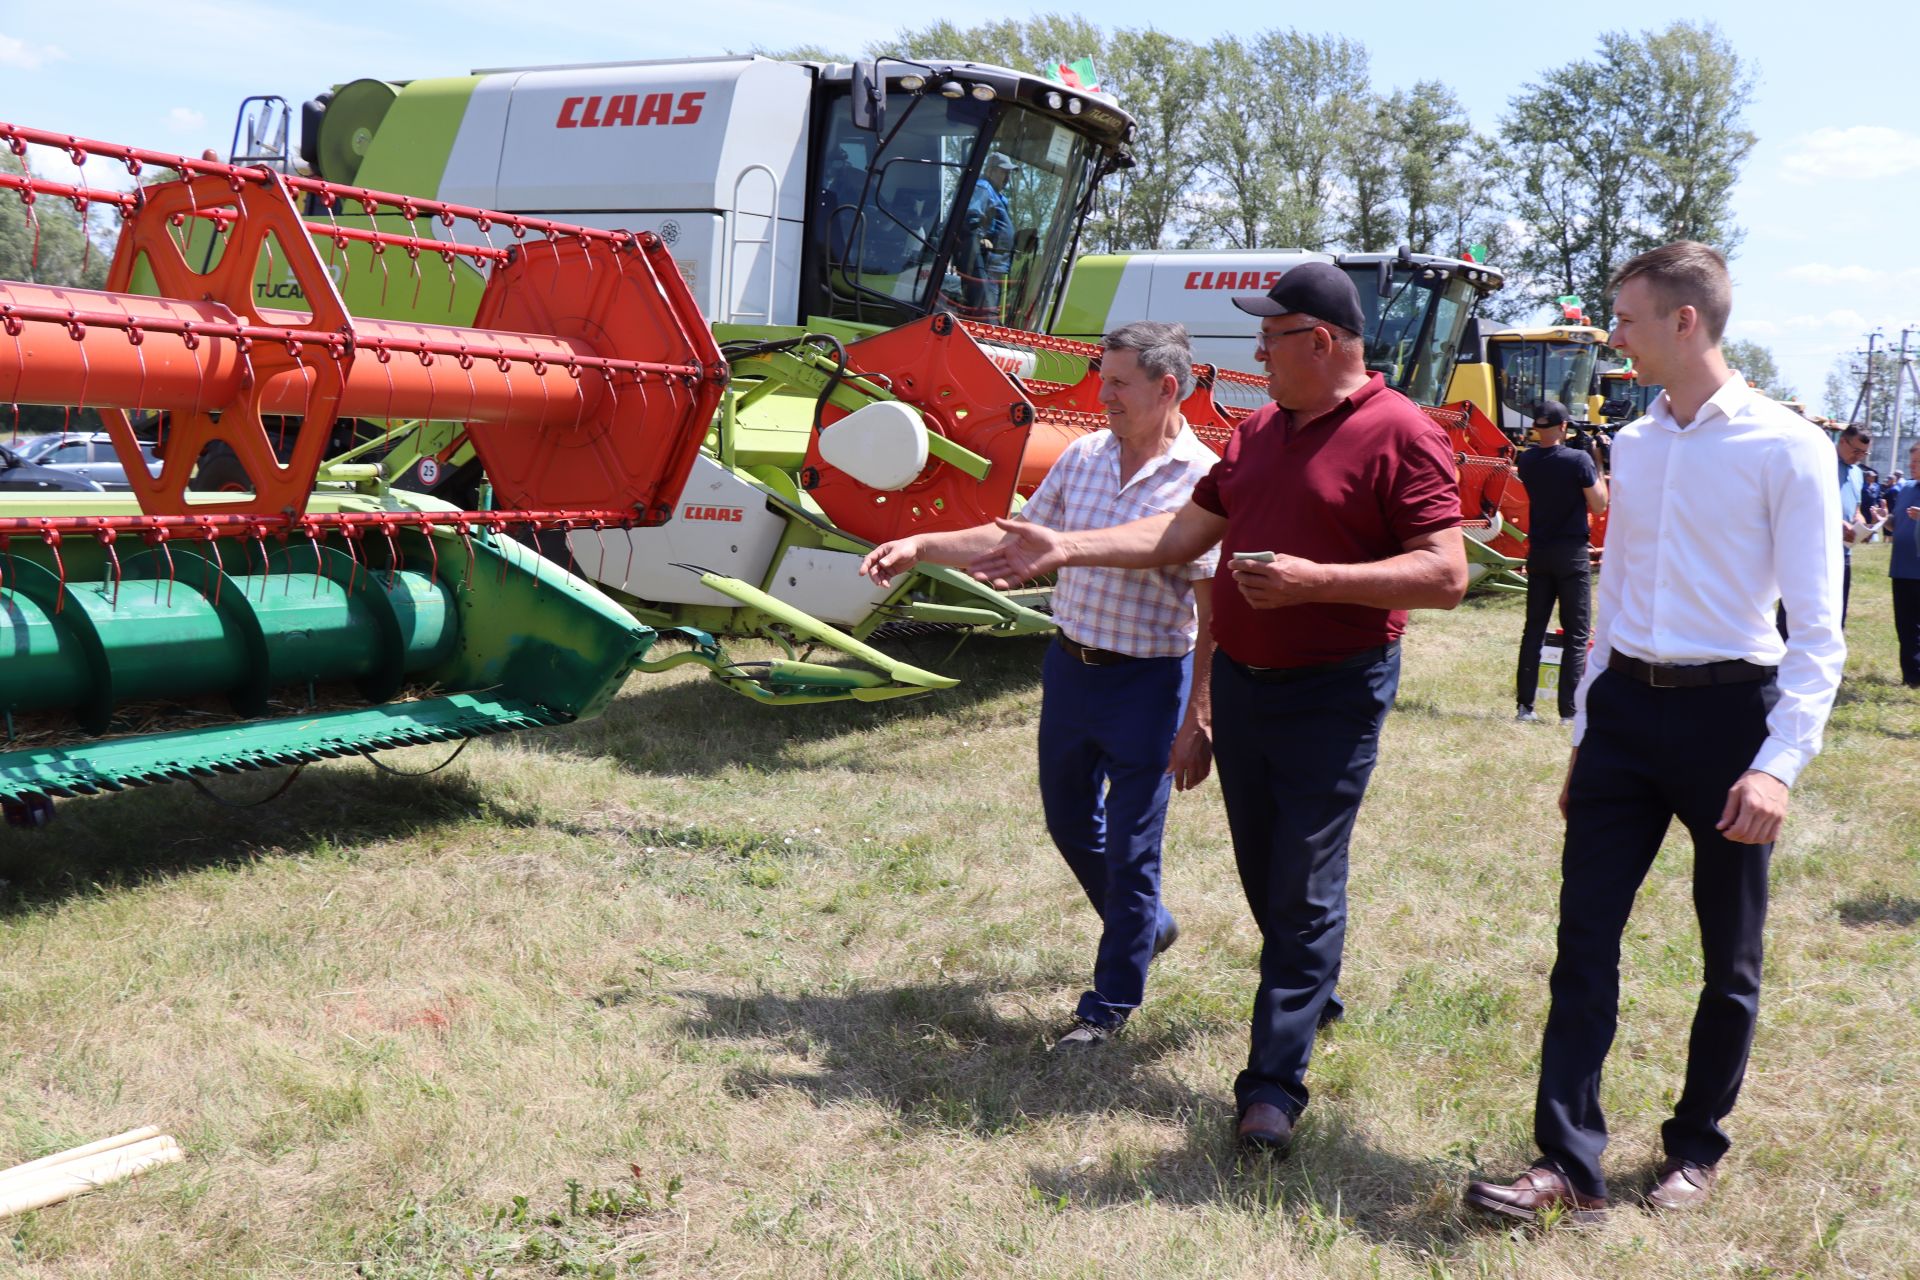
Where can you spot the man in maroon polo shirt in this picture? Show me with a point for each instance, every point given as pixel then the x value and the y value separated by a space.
pixel 1340 511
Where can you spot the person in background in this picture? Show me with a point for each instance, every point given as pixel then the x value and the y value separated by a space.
pixel 1693 708
pixel 990 237
pixel 1904 532
pixel 1118 725
pixel 1563 486
pixel 1852 447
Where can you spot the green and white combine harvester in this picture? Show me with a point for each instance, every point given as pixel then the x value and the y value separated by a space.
pixel 893 369
pixel 701 331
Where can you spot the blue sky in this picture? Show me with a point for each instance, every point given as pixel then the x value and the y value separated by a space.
pixel 1830 196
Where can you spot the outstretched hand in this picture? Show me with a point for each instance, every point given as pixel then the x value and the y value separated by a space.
pixel 890 560
pixel 1028 551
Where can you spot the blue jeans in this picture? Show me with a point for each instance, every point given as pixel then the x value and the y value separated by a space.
pixel 1294 759
pixel 1106 734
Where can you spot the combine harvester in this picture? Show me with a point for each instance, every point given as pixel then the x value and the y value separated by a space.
pixel 173 634
pixel 1422 335
pixel 829 222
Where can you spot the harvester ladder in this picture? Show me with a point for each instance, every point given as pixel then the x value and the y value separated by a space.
pixel 736 242
pixel 262 123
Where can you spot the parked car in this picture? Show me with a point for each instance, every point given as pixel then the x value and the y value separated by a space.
pixel 89 455
pixel 31 447
pixel 17 475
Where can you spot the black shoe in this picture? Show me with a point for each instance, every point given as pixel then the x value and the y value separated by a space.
pixel 1087 1035
pixel 1167 937
pixel 1266 1129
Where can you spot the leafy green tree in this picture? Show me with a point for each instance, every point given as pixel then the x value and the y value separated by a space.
pixel 1022 44
pixel 1757 364
pixel 1607 158
pixel 1369 155
pixel 46 242
pixel 1269 161
pixel 1432 132
pixel 1160 79
pixel 1690 91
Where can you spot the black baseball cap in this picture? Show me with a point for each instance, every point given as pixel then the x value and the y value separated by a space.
pixel 1552 414
pixel 1317 289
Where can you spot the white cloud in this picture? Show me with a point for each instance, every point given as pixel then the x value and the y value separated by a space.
pixel 186 120
pixel 1855 276
pixel 1841 318
pixel 1860 151
pixel 1822 273
pixel 18 55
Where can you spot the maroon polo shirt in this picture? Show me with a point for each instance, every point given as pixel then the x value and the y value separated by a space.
pixel 1351 486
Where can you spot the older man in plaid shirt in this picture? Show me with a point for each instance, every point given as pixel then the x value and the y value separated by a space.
pixel 1117 725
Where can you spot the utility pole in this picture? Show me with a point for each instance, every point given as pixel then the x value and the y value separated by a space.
pixel 1864 416
pixel 1902 375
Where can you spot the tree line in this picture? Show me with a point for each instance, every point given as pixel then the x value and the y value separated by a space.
pixel 1281 139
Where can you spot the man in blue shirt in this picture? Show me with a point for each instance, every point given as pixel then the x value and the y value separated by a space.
pixel 1854 444
pixel 1563 485
pixel 989 237
pixel 1904 531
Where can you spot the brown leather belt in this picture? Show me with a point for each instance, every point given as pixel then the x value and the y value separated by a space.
pixel 1092 657
pixel 1697 676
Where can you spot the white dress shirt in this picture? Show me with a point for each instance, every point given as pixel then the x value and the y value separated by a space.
pixel 1712 521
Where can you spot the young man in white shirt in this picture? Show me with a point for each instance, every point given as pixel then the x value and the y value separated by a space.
pixel 1117 725
pixel 1692 706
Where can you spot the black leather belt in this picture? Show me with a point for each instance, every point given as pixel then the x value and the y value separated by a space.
pixel 1698 676
pixel 1284 675
pixel 1093 657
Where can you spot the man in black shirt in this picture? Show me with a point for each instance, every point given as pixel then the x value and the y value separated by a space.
pixel 1563 485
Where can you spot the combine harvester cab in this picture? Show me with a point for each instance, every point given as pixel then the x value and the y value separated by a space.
pixel 316 612
pixel 1421 328
pixel 852 232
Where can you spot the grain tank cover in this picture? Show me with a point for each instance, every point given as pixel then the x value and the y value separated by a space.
pixel 674 135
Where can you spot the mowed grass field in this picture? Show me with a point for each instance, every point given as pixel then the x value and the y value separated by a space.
pixel 702 989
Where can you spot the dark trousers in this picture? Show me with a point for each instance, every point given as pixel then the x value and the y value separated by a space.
pixel 1649 756
pixel 1558 573
pixel 1106 734
pixel 1906 628
pixel 1294 759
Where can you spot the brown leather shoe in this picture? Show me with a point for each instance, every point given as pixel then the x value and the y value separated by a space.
pixel 1681 1184
pixel 1540 1188
pixel 1265 1128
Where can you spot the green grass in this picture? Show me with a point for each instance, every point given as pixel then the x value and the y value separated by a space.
pixel 705 989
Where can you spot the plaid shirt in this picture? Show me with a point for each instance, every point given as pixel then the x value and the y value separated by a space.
pixel 1144 613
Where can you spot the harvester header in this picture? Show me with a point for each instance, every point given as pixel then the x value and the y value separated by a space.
pixel 586 384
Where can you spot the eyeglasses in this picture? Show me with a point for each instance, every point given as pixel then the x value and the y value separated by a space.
pixel 1288 333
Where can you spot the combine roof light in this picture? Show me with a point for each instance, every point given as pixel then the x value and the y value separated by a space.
pixel 1053 100
pixel 983 92
pixel 952 89
pixel 1073 106
pixel 913 84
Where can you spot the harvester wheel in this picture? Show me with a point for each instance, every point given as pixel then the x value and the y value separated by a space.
pixel 220 471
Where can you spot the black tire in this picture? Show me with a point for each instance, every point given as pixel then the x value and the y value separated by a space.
pixel 220 472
